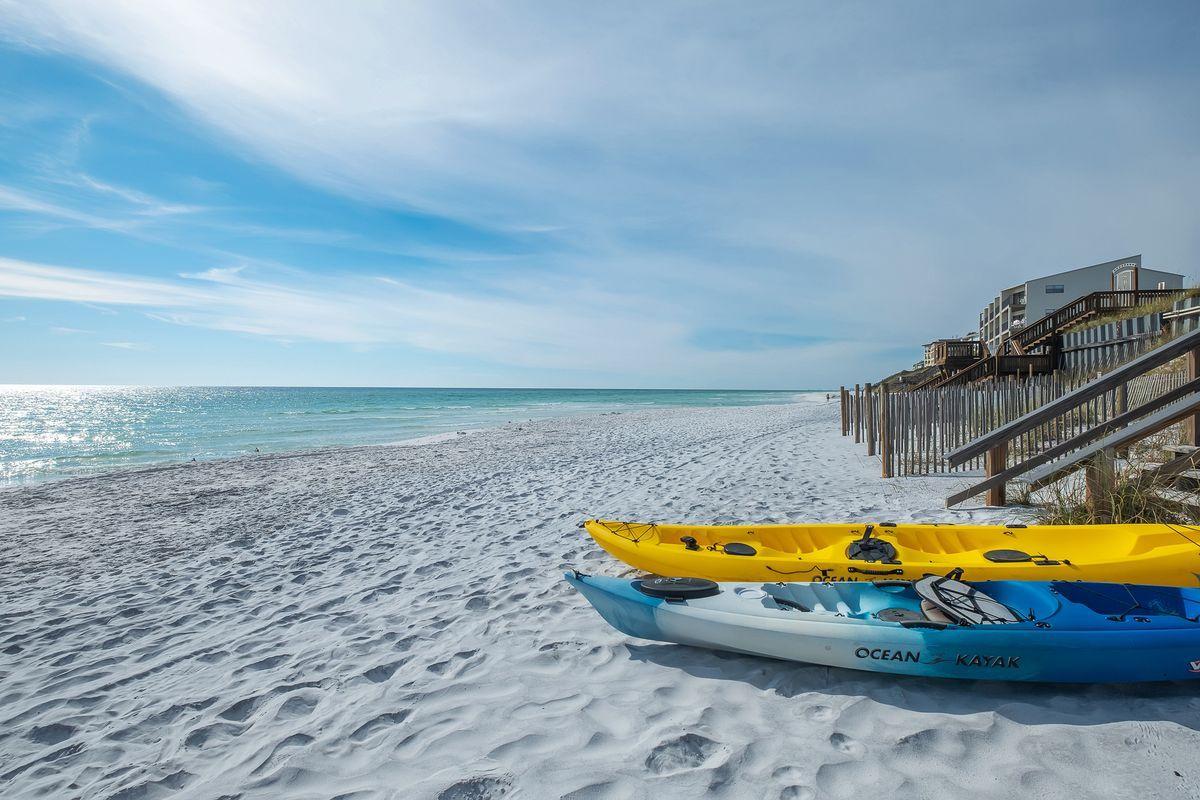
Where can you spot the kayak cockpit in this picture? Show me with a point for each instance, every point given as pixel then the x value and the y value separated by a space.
pixel 935 599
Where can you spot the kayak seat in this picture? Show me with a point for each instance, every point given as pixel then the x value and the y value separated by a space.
pixel 962 603
pixel 935 614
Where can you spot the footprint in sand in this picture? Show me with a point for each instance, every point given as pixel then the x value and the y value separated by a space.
pixel 485 788
pixel 676 755
pixel 821 714
pixel 844 744
pixel 51 734
pixel 384 672
pixel 379 723
pixel 296 707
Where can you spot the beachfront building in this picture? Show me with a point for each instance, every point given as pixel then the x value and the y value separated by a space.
pixel 1016 305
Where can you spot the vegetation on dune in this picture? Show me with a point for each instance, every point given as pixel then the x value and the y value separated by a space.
pixel 1157 306
pixel 1133 497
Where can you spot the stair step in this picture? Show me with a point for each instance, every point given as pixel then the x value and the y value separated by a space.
pixel 1188 499
pixel 1186 479
pixel 1181 449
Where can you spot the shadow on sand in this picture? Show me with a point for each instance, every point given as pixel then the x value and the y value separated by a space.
pixel 1024 703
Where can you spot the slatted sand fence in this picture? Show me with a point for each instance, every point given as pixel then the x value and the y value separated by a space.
pixel 913 431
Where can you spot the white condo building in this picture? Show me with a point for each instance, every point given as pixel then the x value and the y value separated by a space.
pixel 1037 297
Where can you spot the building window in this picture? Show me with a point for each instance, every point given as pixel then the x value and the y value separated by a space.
pixel 1055 288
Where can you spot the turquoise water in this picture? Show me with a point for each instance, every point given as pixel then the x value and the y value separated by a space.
pixel 57 431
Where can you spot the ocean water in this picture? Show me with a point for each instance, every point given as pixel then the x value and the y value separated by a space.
pixel 51 432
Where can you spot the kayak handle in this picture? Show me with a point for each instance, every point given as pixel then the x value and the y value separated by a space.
pixel 785 603
pixel 855 569
pixel 919 623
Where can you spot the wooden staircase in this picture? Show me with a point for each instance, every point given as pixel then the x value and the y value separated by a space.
pixel 1095 449
pixel 1081 310
pixel 994 366
pixel 1177 479
pixel 1018 346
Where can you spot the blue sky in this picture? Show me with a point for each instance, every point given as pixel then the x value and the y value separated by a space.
pixel 544 194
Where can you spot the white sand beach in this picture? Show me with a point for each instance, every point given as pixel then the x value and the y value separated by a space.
pixel 390 622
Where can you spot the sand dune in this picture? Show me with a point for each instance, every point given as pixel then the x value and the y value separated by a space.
pixel 389 623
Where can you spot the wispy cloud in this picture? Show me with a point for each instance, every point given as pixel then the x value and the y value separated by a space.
pixel 143 203
pixel 724 187
pixel 806 128
pixel 25 279
pixel 14 199
pixel 545 328
pixel 126 345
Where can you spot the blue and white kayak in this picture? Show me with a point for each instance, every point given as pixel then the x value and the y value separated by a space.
pixel 1058 631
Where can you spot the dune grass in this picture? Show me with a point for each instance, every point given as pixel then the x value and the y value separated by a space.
pixel 1156 306
pixel 1132 498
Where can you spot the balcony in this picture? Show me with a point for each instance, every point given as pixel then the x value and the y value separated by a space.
pixel 953 354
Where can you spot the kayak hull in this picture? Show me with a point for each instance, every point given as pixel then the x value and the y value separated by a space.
pixel 1161 555
pixel 1066 643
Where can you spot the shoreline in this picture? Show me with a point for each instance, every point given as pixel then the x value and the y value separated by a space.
pixel 77 464
pixel 417 441
pixel 391 621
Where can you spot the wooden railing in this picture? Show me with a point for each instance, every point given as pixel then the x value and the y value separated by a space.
pixel 1095 443
pixel 968 374
pixel 912 432
pixel 950 356
pixel 945 350
pixel 994 366
pixel 935 378
pixel 1020 342
pixel 1036 333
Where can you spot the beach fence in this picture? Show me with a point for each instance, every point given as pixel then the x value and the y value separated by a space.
pixel 1101 346
pixel 1112 342
pixel 913 431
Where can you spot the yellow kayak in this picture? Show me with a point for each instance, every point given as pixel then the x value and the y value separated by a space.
pixel 1164 555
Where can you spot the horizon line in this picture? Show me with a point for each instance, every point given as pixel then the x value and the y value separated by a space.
pixel 440 388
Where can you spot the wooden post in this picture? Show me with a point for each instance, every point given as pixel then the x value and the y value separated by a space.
pixel 845 410
pixel 857 414
pixel 870 400
pixel 1099 483
pixel 1120 406
pixel 994 462
pixel 1191 427
pixel 885 432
